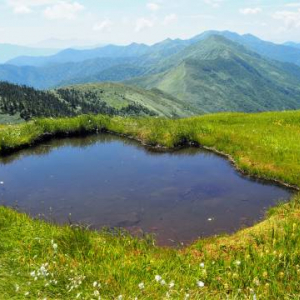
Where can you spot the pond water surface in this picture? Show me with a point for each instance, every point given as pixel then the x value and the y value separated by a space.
pixel 104 180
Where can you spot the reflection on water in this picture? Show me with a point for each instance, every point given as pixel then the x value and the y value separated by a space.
pixel 103 180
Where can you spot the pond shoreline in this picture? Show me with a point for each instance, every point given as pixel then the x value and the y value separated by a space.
pixel 82 133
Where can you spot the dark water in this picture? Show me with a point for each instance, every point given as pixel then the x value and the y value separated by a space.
pixel 109 181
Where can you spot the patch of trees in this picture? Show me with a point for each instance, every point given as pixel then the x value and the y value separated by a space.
pixel 29 103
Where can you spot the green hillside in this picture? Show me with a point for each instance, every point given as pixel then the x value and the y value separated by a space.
pixel 120 96
pixel 21 102
pixel 40 260
pixel 217 74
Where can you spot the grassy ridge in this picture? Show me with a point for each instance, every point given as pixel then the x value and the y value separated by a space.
pixel 262 262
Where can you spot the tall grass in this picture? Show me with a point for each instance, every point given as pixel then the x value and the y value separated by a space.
pixel 39 260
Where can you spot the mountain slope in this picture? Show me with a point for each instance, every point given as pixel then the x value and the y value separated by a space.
pixel 283 53
pixel 21 102
pixel 119 96
pixel 217 74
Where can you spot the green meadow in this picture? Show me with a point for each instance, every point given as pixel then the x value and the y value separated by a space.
pixel 40 260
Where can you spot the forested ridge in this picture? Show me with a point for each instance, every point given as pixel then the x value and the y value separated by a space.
pixel 29 102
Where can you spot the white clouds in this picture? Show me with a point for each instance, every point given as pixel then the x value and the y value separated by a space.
pixel 294 4
pixel 169 19
pixel 153 6
pixel 26 6
pixel 143 23
pixel 291 19
pixel 63 10
pixel 52 9
pixel 251 11
pixel 103 25
pixel 214 3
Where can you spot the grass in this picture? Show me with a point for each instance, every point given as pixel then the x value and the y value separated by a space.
pixel 39 260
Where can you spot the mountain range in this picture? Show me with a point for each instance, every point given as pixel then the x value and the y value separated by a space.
pixel 211 72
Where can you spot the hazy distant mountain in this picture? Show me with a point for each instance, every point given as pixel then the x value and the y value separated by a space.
pixel 66 43
pixel 160 50
pixel 292 44
pixel 73 55
pixel 54 75
pixel 8 51
pixel 216 74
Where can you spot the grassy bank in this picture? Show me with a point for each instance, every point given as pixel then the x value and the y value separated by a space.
pixel 43 261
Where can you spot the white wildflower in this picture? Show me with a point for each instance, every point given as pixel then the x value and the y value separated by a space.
pixel 237 262
pixel 187 296
pixel 158 278
pixel 120 297
pixel 171 284
pixel 162 282
pixel 202 265
pixel 141 286
pixel 200 284
pixel 96 293
pixel 95 284
pixel 32 274
pixel 17 288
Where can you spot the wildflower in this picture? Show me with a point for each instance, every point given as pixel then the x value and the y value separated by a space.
pixel 158 278
pixel 78 295
pixel 162 282
pixel 171 284
pixel 202 265
pixel 17 288
pixel 26 293
pixel 96 293
pixel 141 286
pixel 237 262
pixel 120 297
pixel 32 274
pixel 200 284
pixel 187 296
pixel 256 281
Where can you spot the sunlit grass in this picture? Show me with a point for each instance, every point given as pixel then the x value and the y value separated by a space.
pixel 42 261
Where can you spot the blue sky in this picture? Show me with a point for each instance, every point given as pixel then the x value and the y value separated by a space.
pixel 147 21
